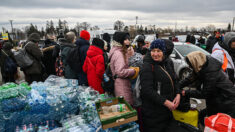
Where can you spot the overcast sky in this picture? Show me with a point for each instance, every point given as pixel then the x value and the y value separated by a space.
pixel 104 13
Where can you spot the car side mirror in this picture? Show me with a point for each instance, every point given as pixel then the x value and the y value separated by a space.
pixel 173 56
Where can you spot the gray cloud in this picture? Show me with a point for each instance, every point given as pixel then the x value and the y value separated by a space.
pixel 105 12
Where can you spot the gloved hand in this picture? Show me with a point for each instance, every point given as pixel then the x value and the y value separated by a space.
pixel 137 69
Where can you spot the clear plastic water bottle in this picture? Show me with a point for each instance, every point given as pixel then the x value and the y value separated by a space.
pixel 114 108
pixel 106 78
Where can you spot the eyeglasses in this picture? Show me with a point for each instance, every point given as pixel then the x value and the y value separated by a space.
pixel 127 46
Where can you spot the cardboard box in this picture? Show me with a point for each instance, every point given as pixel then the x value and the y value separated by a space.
pixel 115 118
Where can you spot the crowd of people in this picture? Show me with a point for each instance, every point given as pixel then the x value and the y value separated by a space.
pixel 161 90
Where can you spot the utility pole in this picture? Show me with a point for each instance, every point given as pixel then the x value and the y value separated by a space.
pixel 233 23
pixel 11 27
pixel 175 27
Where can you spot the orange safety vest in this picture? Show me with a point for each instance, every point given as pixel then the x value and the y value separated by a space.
pixel 225 63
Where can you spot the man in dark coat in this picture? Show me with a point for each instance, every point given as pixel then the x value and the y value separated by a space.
pixel 48 59
pixel 34 72
pixel 83 44
pixel 6 51
pixel 66 46
pixel 217 89
pixel 212 40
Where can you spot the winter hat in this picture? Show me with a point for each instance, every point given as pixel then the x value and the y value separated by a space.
pixel 85 35
pixel 120 37
pixel 140 39
pixel 158 43
pixel 98 42
pixel 106 37
pixel 35 37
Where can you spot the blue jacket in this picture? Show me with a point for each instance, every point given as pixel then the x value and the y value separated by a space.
pixel 83 46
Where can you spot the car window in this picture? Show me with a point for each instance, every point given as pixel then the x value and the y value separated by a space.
pixel 176 54
pixel 185 49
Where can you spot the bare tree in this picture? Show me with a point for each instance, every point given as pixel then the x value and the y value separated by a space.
pixel 85 25
pixel 210 28
pixel 118 25
pixel 95 27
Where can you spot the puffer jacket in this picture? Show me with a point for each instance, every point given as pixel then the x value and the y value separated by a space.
pixel 94 67
pixel 65 50
pixel 120 69
pixel 217 89
pixel 156 88
pixel 36 55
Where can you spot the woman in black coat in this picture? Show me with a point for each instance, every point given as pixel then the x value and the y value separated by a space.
pixel 6 51
pixel 217 89
pixel 159 92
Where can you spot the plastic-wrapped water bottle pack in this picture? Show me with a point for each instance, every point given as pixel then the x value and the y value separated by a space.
pixel 88 120
pixel 57 105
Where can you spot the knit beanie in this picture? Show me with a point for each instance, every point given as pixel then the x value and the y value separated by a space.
pixel 120 37
pixel 169 46
pixel 85 35
pixel 106 37
pixel 98 42
pixel 158 43
pixel 34 37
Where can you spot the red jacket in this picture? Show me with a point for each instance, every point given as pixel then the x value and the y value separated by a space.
pixel 94 67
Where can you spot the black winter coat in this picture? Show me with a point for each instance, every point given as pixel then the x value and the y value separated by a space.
pixel 48 58
pixel 7 49
pixel 217 89
pixel 156 88
pixel 83 46
pixel 212 40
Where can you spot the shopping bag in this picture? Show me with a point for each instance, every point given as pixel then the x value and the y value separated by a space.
pixel 190 117
pixel 219 123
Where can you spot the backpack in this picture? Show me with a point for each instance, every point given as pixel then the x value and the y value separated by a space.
pixel 22 58
pixel 108 81
pixel 74 60
pixel 10 66
pixel 59 67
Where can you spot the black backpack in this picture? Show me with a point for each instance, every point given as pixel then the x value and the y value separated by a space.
pixel 108 81
pixel 10 66
pixel 74 60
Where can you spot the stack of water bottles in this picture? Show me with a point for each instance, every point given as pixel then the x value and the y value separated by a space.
pixel 55 105
pixel 40 108
pixel 88 120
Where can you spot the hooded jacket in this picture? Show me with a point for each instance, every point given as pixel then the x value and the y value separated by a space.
pixel 218 53
pixel 217 89
pixel 83 47
pixel 66 48
pixel 94 67
pixel 119 67
pixel 156 88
